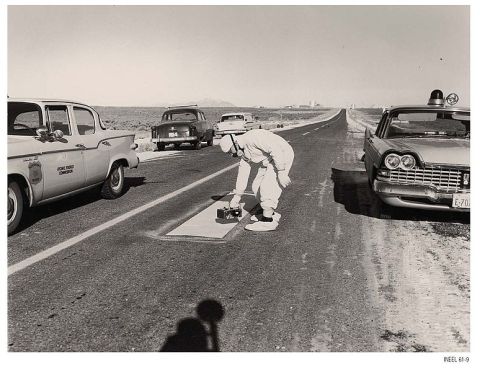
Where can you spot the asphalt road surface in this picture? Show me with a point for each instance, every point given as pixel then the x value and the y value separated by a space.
pixel 341 273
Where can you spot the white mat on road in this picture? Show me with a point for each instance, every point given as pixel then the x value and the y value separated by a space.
pixel 206 224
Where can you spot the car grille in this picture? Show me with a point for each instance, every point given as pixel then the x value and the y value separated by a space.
pixel 445 179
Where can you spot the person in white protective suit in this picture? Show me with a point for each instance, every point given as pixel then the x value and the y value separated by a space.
pixel 274 157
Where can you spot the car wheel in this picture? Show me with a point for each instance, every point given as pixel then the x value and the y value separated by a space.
pixel 160 146
pixel 197 145
pixel 113 186
pixel 210 142
pixel 15 206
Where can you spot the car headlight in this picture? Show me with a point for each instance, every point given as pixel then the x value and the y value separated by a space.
pixel 407 162
pixel 392 161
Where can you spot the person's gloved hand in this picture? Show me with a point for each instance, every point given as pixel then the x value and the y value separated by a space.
pixel 283 179
pixel 235 202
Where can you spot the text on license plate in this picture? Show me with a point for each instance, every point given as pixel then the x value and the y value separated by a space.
pixel 173 134
pixel 461 201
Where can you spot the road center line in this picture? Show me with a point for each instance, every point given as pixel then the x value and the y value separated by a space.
pixel 304 134
pixel 68 243
pixel 324 125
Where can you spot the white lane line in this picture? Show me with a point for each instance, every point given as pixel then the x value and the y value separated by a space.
pixel 304 134
pixel 316 128
pixel 68 243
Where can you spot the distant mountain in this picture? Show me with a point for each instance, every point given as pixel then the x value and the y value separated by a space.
pixel 206 102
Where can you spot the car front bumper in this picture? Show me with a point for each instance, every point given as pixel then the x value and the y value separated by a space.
pixel 175 139
pixel 416 196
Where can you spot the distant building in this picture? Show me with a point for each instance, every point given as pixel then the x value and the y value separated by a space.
pixel 312 103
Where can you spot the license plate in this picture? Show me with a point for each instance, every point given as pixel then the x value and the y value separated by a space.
pixel 461 201
pixel 173 134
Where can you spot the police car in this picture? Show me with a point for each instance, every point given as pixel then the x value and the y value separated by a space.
pixel 60 148
pixel 419 155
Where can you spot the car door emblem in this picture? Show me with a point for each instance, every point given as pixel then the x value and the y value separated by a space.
pixel 35 172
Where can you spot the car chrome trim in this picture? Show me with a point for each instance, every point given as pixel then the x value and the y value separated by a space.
pixel 74 192
pixel 398 202
pixel 175 139
pixel 66 150
pixel 435 178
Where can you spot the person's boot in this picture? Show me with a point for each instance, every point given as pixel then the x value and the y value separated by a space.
pixel 255 218
pixel 265 224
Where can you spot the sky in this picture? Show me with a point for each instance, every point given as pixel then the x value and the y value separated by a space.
pixel 246 55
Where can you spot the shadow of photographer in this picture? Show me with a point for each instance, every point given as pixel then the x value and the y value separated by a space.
pixel 197 334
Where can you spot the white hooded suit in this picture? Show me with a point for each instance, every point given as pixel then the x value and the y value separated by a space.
pixel 271 153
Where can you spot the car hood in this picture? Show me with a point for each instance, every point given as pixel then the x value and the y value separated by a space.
pixel 454 151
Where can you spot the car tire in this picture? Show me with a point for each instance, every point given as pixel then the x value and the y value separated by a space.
pixel 197 145
pixel 210 142
pixel 114 184
pixel 160 146
pixel 15 206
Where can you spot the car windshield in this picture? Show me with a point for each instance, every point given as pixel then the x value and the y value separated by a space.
pixel 24 118
pixel 180 115
pixel 232 117
pixel 429 124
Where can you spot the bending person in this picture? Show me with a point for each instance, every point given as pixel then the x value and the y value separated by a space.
pixel 274 157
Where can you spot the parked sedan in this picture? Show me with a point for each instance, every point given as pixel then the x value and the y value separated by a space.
pixel 419 156
pixel 60 148
pixel 183 124
pixel 233 123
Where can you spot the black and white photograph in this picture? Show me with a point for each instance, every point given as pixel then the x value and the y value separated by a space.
pixel 260 178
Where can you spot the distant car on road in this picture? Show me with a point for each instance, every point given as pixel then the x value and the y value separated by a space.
pixel 183 124
pixel 419 156
pixel 59 148
pixel 233 123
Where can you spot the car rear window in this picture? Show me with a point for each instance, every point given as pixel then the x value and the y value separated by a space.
pixel 182 115
pixel 232 117
pixel 85 121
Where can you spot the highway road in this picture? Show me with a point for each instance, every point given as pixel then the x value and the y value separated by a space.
pixel 341 273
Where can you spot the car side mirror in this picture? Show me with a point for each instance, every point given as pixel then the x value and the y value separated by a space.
pixel 42 133
pixel 57 134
